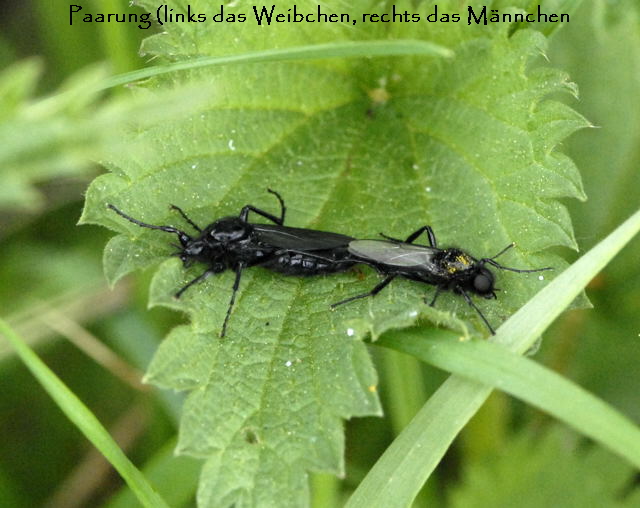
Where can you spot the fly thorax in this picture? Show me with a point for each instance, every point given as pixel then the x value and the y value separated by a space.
pixel 454 261
pixel 227 230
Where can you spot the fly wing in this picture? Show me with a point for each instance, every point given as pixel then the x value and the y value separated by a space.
pixel 393 254
pixel 299 239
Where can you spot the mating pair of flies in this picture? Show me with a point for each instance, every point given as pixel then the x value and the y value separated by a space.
pixel 234 243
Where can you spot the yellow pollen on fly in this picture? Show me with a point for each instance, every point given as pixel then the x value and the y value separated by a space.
pixel 463 260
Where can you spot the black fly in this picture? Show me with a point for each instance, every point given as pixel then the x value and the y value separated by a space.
pixel 234 243
pixel 448 269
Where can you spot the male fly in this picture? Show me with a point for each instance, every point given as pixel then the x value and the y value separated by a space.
pixel 449 269
pixel 233 243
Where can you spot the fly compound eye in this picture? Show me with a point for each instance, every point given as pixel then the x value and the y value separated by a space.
pixel 483 282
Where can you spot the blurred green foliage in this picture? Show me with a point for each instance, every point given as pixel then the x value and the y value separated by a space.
pixel 49 268
pixel 600 347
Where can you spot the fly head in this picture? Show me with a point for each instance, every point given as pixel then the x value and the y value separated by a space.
pixel 483 283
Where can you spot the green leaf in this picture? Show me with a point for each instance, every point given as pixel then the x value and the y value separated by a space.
pixel 357 145
pixel 84 420
pixel 407 463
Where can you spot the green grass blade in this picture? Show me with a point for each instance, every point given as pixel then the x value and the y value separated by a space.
pixel 404 467
pixel 176 478
pixel 521 331
pixel 405 386
pixel 397 477
pixel 84 420
pixel 523 378
pixel 346 49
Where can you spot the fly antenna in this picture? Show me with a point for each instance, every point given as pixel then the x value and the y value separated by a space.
pixel 167 229
pixel 502 267
pixel 510 246
pixel 493 262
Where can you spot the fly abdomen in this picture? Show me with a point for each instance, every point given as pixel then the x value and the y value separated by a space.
pixel 302 265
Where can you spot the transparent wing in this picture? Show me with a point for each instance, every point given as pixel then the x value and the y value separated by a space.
pixel 394 254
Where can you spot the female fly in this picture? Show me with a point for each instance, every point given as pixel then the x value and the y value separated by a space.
pixel 233 243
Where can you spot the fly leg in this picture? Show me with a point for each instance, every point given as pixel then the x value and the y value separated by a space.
pixel 435 297
pixel 373 292
pixel 473 305
pixel 424 229
pixel 391 238
pixel 185 217
pixel 234 290
pixel 283 208
pixel 198 279
pixel 244 213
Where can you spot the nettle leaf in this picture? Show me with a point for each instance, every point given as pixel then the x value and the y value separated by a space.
pixel 355 145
